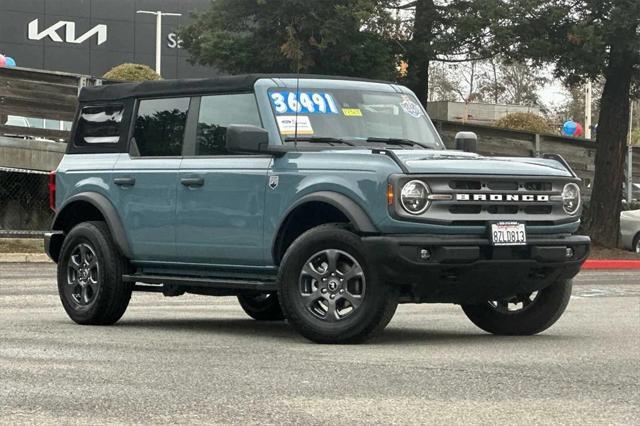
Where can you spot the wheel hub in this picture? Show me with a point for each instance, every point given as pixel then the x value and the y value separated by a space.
pixel 332 285
pixel 82 275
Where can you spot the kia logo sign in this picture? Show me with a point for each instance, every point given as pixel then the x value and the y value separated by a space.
pixel 69 34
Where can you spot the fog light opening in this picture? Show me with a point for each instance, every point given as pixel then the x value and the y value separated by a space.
pixel 569 253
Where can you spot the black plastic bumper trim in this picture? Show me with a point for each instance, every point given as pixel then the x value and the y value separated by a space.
pixel 53 244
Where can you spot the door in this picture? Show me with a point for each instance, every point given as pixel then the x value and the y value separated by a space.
pixel 220 213
pixel 147 178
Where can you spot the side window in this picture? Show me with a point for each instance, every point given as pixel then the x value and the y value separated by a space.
pixel 159 127
pixel 216 113
pixel 99 124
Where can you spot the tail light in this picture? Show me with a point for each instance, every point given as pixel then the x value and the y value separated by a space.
pixel 52 190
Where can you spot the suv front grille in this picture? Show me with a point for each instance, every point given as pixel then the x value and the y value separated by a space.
pixel 480 200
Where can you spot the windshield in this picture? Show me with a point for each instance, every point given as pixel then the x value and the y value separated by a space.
pixel 356 117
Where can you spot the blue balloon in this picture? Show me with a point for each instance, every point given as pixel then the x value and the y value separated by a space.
pixel 569 128
pixel 10 62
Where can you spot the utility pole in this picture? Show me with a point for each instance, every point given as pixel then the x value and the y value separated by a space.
pixel 159 14
pixel 630 157
pixel 587 111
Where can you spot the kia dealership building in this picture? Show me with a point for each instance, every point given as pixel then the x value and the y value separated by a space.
pixel 92 36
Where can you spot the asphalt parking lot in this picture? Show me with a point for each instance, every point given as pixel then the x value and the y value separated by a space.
pixel 196 359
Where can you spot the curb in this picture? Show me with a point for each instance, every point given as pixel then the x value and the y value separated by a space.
pixel 611 264
pixel 24 258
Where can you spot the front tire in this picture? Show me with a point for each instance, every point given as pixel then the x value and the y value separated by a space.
pixel 328 289
pixel 522 315
pixel 261 306
pixel 90 272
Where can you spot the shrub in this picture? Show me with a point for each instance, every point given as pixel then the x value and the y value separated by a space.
pixel 131 72
pixel 525 121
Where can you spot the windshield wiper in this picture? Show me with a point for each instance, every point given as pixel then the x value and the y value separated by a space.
pixel 397 141
pixel 319 139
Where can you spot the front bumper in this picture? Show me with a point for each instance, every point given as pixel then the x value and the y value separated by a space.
pixel 462 270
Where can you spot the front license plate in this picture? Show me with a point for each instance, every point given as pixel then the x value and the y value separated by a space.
pixel 508 234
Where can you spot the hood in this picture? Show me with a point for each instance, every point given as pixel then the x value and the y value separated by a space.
pixel 458 162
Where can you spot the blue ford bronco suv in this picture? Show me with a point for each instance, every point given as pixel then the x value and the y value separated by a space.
pixel 323 200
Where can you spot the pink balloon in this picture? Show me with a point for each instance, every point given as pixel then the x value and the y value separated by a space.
pixel 579 130
pixel 3 61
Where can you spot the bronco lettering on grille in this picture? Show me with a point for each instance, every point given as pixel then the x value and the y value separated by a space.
pixel 503 197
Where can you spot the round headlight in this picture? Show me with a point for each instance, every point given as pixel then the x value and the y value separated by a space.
pixel 571 198
pixel 413 196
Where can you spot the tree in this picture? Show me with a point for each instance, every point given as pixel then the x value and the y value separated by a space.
pixel 511 82
pixel 335 37
pixel 131 72
pixel 574 107
pixel 587 39
pixel 442 87
pixel 450 31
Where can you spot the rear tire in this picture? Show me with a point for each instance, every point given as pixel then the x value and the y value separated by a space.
pixel 328 289
pixel 261 306
pixel 90 272
pixel 535 316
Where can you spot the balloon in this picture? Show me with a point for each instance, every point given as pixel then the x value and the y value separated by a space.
pixel 3 61
pixel 569 128
pixel 579 130
pixel 9 62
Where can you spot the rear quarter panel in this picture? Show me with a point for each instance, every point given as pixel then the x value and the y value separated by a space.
pixel 78 173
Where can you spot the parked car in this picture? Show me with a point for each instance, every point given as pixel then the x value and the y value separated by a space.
pixel 630 230
pixel 635 192
pixel 327 201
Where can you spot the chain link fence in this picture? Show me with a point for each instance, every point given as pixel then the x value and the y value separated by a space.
pixel 24 202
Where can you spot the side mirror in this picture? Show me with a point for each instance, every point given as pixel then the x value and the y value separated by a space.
pixel 244 138
pixel 467 142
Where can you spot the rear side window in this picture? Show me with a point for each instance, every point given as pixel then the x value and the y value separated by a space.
pixel 159 127
pixel 99 124
pixel 216 113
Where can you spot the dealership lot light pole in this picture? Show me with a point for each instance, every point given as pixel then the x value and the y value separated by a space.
pixel 159 15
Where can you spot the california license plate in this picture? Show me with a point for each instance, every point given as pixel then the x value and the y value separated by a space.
pixel 508 234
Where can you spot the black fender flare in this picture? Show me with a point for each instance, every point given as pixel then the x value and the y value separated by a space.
pixel 352 211
pixel 356 215
pixel 109 213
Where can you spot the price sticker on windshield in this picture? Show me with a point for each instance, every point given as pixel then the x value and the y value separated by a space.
pixel 508 234
pixel 291 102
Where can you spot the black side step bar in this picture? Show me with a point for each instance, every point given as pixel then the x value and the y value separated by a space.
pixel 219 283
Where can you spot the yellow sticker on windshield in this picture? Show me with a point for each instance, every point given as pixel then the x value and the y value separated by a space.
pixel 352 112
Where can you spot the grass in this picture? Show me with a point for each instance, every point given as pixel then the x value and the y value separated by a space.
pixel 21 245
pixel 598 252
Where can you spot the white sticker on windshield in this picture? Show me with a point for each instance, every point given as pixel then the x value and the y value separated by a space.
pixel 292 125
pixel 410 107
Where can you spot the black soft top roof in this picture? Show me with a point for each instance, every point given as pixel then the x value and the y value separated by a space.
pixel 226 84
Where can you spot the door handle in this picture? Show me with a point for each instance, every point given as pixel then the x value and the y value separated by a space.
pixel 124 181
pixel 193 181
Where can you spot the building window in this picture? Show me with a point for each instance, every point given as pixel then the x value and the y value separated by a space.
pixel 216 113
pixel 159 127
